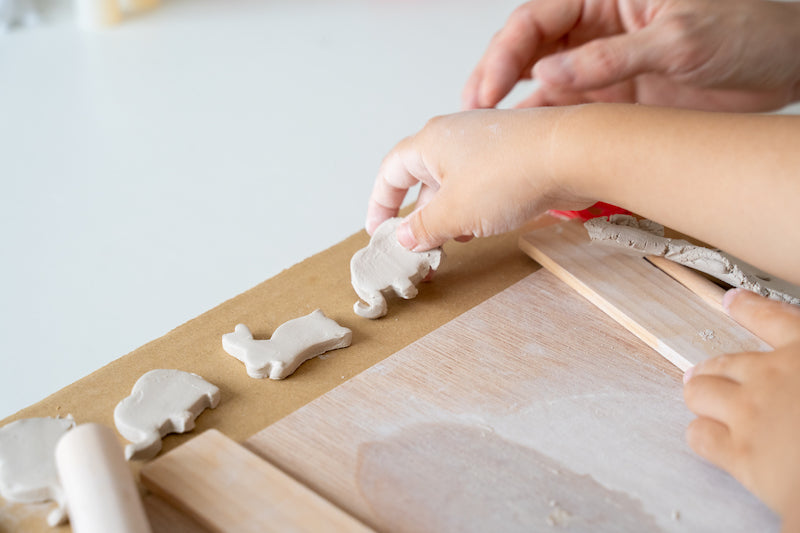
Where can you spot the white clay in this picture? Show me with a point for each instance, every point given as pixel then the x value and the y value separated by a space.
pixel 28 463
pixel 293 343
pixel 647 237
pixel 384 266
pixel 161 402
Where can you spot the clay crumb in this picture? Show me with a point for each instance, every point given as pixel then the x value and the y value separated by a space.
pixel 706 334
pixel 558 517
pixel 676 515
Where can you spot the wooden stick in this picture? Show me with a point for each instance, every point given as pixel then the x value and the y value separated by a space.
pixel 710 292
pixel 99 488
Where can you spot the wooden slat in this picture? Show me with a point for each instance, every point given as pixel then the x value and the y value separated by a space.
pixel 164 518
pixel 667 316
pixel 228 488
pixel 533 411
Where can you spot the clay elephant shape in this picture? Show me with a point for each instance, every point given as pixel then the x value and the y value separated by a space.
pixel 384 266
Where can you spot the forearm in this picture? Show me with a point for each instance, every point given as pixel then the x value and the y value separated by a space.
pixel 730 180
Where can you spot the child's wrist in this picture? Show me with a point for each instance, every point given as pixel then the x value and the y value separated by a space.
pixel 579 149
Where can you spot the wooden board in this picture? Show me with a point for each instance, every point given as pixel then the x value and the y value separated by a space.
pixel 533 409
pixel 228 488
pixel 667 316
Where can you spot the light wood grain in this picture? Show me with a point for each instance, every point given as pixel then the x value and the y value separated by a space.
pixel 667 316
pixel 228 488
pixel 532 410
pixel 164 518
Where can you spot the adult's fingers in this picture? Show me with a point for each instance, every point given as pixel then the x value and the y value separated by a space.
pixel 546 96
pixel 402 168
pixel 530 29
pixel 711 440
pixel 603 62
pixel 777 323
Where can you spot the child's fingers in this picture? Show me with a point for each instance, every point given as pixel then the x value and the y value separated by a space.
pixel 733 366
pixel 711 397
pixel 426 193
pixel 400 170
pixel 711 440
pixel 427 227
pixel 777 323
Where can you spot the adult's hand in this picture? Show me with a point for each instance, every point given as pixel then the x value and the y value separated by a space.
pixel 736 55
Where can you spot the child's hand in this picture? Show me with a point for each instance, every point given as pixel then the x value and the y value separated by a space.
pixel 482 173
pixel 738 55
pixel 749 405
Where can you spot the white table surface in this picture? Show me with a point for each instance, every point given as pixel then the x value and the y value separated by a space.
pixel 155 169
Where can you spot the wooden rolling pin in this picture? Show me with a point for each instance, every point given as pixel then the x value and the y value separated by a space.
pixel 98 485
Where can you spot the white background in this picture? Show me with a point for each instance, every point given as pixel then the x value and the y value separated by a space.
pixel 153 170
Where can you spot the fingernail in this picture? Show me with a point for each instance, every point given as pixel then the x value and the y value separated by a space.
pixel 727 300
pixel 405 237
pixel 555 70
pixel 688 375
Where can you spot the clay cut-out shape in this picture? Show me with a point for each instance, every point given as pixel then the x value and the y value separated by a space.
pixel 161 402
pixel 647 237
pixel 293 343
pixel 28 471
pixel 385 266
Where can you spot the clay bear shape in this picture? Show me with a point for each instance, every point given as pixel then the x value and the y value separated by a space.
pixel 384 266
pixel 293 343
pixel 161 402
pixel 28 463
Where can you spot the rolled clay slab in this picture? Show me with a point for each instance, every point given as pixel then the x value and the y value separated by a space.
pixel 293 343
pixel 384 266
pixel 161 402
pixel 647 237
pixel 27 463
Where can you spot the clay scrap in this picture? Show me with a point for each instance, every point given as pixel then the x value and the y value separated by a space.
pixel 293 343
pixel 161 402
pixel 28 463
pixel 647 237
pixel 384 266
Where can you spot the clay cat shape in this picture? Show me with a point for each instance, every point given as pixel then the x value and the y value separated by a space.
pixel 384 266
pixel 161 402
pixel 293 343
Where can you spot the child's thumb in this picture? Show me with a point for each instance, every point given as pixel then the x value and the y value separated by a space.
pixel 426 227
pixel 777 323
